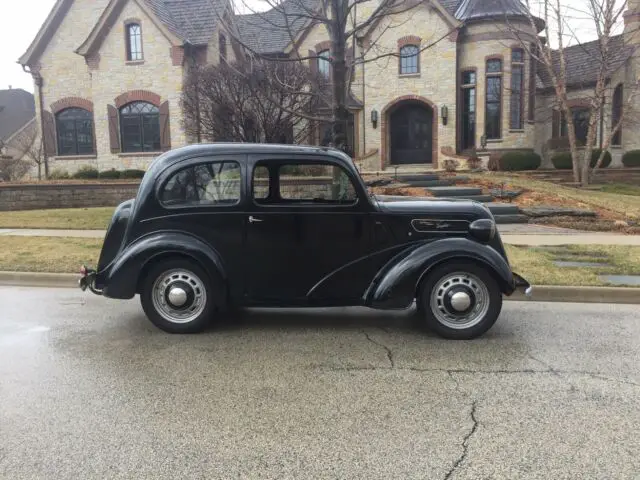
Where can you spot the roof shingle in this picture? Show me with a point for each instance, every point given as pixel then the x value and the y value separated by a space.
pixel 17 108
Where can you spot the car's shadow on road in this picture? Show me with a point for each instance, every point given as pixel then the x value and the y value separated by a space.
pixel 318 318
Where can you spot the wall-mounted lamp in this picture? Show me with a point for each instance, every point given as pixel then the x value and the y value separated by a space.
pixel 374 118
pixel 444 113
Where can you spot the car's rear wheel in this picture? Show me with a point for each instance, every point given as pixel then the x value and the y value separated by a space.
pixel 176 296
pixel 460 301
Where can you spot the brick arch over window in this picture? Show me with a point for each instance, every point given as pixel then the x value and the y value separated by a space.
pixel 137 96
pixel 71 102
pixel 409 40
pixel 385 131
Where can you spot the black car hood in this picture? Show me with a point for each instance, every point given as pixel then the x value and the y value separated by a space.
pixel 440 207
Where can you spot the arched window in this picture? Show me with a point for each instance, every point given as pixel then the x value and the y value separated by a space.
pixel 134 42
pixel 409 59
pixel 140 127
pixel 616 114
pixel 75 132
pixel 493 99
pixel 324 65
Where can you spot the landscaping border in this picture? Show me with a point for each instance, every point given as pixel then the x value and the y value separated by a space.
pixel 540 293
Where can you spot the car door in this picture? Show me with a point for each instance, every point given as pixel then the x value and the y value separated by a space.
pixel 306 223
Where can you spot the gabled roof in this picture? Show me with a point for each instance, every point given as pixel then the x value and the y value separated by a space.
pixel 17 108
pixel 584 61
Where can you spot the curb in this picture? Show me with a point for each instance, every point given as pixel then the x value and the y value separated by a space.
pixel 540 293
pixel 548 293
pixel 37 279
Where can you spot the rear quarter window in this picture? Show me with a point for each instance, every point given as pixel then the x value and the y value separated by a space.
pixel 211 183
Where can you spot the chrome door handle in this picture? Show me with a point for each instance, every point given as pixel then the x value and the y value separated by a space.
pixel 253 219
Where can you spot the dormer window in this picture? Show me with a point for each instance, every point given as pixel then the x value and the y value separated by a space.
pixel 409 60
pixel 324 64
pixel 222 47
pixel 134 42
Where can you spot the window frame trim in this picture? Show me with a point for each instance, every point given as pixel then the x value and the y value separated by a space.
pixel 127 44
pixel 93 152
pixel 522 65
pixel 489 75
pixel 417 55
pixel 462 88
pixel 192 162
pixel 281 159
pixel 618 135
pixel 140 116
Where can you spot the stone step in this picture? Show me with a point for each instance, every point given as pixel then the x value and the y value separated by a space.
pixel 405 178
pixel 454 191
pixel 476 198
pixel 428 183
pixel 503 208
pixel 502 219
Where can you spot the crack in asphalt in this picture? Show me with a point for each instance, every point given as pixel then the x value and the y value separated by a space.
pixel 388 350
pixel 465 441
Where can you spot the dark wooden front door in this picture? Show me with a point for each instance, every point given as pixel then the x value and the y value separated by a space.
pixel 411 134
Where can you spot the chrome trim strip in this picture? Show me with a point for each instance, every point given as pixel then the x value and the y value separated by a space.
pixel 440 225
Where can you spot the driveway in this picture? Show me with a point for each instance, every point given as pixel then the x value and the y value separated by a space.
pixel 89 389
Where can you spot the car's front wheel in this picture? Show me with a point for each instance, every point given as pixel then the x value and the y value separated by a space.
pixel 176 296
pixel 459 300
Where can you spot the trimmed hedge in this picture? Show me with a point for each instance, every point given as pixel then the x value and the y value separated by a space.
pixel 631 158
pixel 563 160
pixel 59 174
pixel 86 173
pixel 515 161
pixel 112 174
pixel 132 173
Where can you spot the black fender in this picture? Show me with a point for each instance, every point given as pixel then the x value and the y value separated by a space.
pixel 395 285
pixel 121 278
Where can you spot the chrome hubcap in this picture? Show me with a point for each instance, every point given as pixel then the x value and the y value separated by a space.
pixel 460 300
pixel 179 296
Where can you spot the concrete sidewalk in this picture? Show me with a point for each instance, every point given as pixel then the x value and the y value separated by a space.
pixel 517 234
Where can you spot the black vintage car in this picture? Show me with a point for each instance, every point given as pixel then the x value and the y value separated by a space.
pixel 219 226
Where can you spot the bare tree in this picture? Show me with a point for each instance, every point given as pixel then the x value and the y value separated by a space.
pixel 349 34
pixel 608 55
pixel 248 102
pixel 31 149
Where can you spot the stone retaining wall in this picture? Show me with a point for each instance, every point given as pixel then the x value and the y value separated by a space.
pixel 67 195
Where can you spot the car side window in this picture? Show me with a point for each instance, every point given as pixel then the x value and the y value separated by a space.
pixel 212 183
pixel 304 183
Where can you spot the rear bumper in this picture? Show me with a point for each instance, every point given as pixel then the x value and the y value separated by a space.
pixel 522 285
pixel 88 280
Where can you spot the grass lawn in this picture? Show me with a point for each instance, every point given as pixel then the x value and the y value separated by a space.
pixel 621 188
pixel 47 254
pixel 536 263
pixel 68 218
pixel 624 205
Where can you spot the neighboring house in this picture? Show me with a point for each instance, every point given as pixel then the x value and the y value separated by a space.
pixel 109 74
pixel 17 121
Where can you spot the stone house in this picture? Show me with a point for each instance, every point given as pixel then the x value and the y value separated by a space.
pixel 109 75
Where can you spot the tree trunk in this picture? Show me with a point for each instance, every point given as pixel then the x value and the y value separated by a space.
pixel 39 171
pixel 340 114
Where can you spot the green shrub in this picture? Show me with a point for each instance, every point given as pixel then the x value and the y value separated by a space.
pixel 132 173
pixel 563 160
pixel 631 158
pixel 110 174
pixel 514 161
pixel 86 173
pixel 59 174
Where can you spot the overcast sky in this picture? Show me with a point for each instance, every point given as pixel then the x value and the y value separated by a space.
pixel 22 20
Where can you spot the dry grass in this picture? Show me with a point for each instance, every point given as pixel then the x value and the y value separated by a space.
pixel 69 218
pixel 626 206
pixel 47 254
pixel 536 264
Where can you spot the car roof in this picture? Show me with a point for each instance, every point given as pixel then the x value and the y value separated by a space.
pixel 174 156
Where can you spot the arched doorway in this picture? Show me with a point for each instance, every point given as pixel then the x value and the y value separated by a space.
pixel 411 133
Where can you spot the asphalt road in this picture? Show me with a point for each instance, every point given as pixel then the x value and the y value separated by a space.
pixel 90 389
